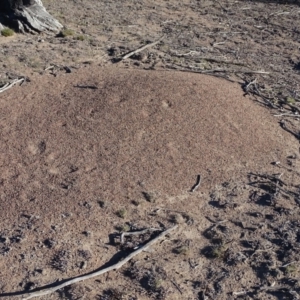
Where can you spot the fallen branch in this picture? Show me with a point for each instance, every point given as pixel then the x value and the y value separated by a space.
pixel 11 84
pixel 274 178
pixel 288 115
pixel 256 92
pixel 177 287
pixel 293 107
pixel 236 71
pixel 285 265
pixel 195 70
pixel 210 59
pixel 100 272
pixel 128 233
pixel 58 67
pixel 192 70
pixel 253 82
pixel 219 43
pixel 141 49
pixel 240 293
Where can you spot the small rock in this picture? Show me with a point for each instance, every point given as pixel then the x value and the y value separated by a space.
pixel 49 243
pixel 29 286
pixel 83 265
pixel 86 233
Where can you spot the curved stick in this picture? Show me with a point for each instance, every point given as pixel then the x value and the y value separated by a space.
pixel 100 272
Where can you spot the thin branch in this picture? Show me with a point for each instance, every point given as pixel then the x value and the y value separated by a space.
pixel 126 233
pixel 195 70
pixel 274 178
pixel 292 262
pixel 239 293
pixel 288 115
pixel 293 107
pixel 100 272
pixel 11 84
pixel 177 287
pixel 218 43
pixel 211 59
pixel 49 68
pixel 191 70
pixel 250 83
pixel 141 49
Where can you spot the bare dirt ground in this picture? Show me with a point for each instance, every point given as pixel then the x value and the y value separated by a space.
pixel 93 145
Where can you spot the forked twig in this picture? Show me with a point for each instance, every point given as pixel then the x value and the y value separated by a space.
pixel 141 49
pixel 253 82
pixel 100 272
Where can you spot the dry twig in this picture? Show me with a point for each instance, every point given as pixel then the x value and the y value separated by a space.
pixel 211 59
pixel 296 115
pixel 100 272
pixel 177 286
pixel 239 293
pixel 142 48
pixel 253 82
pixel 11 84
pixel 195 70
pixel 126 233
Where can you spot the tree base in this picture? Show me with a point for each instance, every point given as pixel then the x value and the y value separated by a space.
pixel 33 19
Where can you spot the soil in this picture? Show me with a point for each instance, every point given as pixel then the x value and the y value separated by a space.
pixel 93 145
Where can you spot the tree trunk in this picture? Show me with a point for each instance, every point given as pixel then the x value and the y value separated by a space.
pixel 27 15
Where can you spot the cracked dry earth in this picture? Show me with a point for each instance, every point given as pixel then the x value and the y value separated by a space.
pixel 104 150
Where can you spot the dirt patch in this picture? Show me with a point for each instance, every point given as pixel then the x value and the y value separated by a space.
pixel 86 154
pixel 103 149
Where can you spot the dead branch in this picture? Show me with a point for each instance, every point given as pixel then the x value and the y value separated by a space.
pixel 141 49
pixel 135 233
pixel 256 92
pixel 285 265
pixel 195 70
pixel 176 285
pixel 239 293
pixel 211 59
pixel 192 52
pixel 296 115
pixel 283 126
pixel 49 68
pixel 100 272
pixel 11 84
pixel 253 82
pixel 293 107
pixel 219 43
pixel 274 178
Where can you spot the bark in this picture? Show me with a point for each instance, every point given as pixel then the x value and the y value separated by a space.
pixel 27 15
